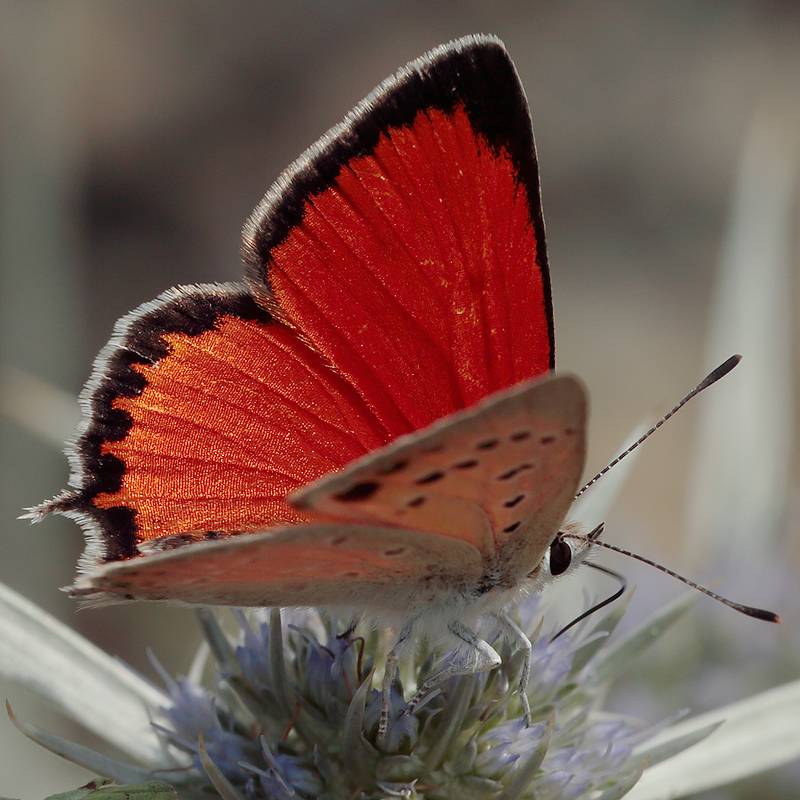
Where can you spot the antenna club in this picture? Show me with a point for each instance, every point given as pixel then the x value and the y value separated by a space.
pixel 720 372
pixel 760 613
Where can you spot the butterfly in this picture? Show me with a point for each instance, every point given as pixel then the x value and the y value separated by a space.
pixel 370 421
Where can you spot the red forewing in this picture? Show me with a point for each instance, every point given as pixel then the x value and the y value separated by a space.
pixel 408 244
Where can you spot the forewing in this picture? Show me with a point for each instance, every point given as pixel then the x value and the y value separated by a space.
pixel 408 244
pixel 500 476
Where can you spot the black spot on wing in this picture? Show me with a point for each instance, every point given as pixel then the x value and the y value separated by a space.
pixel 394 467
pixel 358 492
pixel 514 471
pixel 431 477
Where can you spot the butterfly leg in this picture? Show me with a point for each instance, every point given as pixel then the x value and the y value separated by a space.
pixel 482 657
pixel 515 635
pixel 392 658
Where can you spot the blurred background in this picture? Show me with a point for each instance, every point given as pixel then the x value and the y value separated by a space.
pixel 136 137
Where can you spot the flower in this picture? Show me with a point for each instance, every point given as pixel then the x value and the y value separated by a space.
pixel 311 719
pixel 291 711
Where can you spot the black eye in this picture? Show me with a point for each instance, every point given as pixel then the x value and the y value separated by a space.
pixel 560 556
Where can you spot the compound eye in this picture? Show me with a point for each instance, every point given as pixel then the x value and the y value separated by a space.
pixel 560 556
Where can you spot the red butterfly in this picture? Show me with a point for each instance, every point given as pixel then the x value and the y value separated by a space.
pixel 396 288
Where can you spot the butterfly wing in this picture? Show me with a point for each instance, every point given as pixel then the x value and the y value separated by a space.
pixel 344 566
pixel 500 476
pixel 408 244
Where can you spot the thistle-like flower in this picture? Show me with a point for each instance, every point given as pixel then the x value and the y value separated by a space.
pixel 295 714
pixel 291 711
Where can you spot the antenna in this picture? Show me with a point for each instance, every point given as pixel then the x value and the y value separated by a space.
pixel 712 377
pixel 750 611
pixel 593 538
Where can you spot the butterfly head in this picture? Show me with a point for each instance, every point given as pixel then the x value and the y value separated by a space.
pixel 567 551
